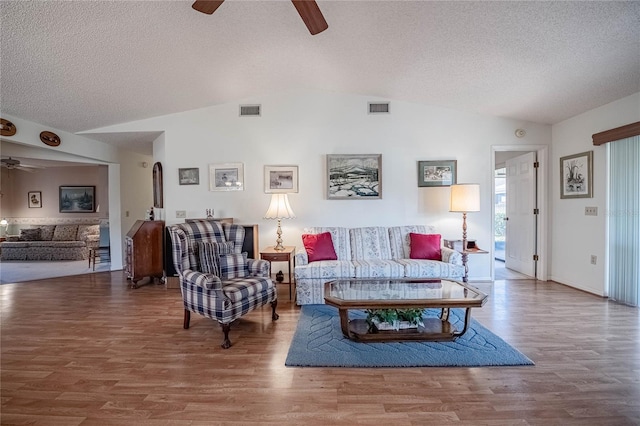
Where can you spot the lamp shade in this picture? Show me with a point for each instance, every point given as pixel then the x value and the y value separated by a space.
pixel 465 197
pixel 279 208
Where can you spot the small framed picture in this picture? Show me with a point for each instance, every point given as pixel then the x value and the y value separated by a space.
pixel 190 176
pixel 576 175
pixel 77 199
pixel 226 177
pixel 354 176
pixel 280 179
pixel 437 173
pixel 34 199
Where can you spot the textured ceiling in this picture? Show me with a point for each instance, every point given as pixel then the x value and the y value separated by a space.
pixel 82 65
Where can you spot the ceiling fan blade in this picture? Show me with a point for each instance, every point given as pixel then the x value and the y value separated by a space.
pixel 311 15
pixel 207 6
pixel 25 169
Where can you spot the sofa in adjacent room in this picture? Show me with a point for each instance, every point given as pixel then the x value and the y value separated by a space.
pixel 331 253
pixel 52 242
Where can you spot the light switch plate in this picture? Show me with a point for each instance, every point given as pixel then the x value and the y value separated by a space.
pixel 591 211
pixel 181 214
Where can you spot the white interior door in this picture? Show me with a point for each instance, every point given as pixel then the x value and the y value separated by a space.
pixel 521 220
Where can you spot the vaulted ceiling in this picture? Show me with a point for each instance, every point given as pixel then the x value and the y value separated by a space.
pixel 81 65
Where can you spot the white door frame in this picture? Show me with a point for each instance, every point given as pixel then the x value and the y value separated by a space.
pixel 543 205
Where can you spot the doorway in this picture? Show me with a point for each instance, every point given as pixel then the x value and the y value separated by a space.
pixel 519 233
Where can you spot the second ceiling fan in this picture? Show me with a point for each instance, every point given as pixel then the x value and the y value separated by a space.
pixel 308 10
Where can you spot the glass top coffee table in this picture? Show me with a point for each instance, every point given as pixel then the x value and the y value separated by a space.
pixel 402 294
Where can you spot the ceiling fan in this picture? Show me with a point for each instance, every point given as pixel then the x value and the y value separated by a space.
pixel 13 164
pixel 308 10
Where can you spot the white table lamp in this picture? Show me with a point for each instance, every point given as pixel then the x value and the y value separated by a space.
pixel 279 209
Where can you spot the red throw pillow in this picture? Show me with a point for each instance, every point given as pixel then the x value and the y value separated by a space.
pixel 425 246
pixel 319 246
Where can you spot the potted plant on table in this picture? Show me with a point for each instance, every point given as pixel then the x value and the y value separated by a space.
pixel 393 319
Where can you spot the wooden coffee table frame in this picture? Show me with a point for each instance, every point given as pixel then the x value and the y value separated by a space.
pixel 434 329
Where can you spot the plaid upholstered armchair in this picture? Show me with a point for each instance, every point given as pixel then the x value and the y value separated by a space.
pixel 216 278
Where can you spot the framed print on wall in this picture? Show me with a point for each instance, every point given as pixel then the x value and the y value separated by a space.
pixel 437 173
pixel 77 199
pixel 34 199
pixel 354 176
pixel 226 177
pixel 189 176
pixel 280 179
pixel 576 175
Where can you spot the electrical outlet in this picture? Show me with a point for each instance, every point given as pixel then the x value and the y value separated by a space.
pixel 181 214
pixel 591 211
pixel 594 259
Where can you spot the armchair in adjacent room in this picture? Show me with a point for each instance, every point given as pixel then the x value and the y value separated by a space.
pixel 216 278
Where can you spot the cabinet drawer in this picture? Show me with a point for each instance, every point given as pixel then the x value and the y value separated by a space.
pixel 275 257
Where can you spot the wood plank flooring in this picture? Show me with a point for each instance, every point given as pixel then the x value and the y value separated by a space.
pixel 87 350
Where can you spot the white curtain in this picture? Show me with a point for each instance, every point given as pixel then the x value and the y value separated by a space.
pixel 624 221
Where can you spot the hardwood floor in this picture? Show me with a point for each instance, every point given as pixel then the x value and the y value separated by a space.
pixel 87 350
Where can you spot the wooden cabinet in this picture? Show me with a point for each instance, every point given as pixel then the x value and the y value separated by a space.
pixel 144 250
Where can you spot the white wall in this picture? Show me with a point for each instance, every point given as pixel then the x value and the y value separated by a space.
pixel 575 237
pixel 300 129
pixel 28 134
pixel 136 194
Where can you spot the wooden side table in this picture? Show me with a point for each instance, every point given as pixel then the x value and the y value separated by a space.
pixel 465 258
pixel 287 255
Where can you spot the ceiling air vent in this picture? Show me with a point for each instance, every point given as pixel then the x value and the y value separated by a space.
pixel 249 110
pixel 378 107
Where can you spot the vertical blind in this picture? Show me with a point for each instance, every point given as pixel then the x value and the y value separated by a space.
pixel 624 221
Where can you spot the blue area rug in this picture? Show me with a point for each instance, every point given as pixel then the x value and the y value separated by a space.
pixel 318 342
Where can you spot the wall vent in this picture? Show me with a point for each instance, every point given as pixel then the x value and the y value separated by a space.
pixel 250 110
pixel 379 108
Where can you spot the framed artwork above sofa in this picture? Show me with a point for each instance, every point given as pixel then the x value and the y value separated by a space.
pixel 437 173
pixel 354 176
pixel 34 199
pixel 77 199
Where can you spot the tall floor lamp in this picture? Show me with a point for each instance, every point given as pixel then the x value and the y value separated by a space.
pixel 279 208
pixel 465 198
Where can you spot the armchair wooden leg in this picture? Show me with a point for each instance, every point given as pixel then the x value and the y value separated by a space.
pixel 274 316
pixel 187 319
pixel 226 343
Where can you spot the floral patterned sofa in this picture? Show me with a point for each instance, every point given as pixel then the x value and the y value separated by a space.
pixel 52 242
pixel 371 252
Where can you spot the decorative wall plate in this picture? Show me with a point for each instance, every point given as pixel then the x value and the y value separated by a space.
pixel 49 138
pixel 7 128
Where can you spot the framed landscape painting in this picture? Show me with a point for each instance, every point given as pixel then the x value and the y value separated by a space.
pixel 226 177
pixel 437 173
pixel 77 199
pixel 576 175
pixel 354 176
pixel 190 176
pixel 280 179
